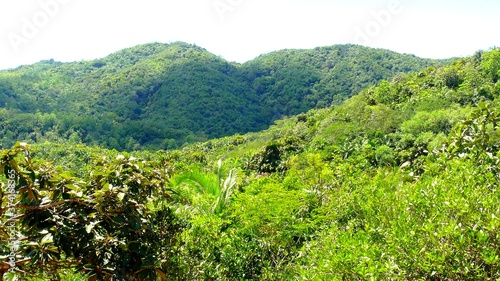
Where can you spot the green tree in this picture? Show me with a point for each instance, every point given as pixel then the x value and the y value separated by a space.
pixel 490 64
pixel 203 192
pixel 101 226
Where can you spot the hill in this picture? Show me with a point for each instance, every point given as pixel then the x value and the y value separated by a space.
pixel 160 96
pixel 398 182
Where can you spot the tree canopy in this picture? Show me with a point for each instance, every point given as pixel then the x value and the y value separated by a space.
pixel 162 96
pixel 398 182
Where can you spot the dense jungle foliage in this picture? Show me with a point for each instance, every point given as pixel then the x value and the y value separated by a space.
pixel 162 96
pixel 398 182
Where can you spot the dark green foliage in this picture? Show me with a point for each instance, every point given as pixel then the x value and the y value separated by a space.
pixel 163 96
pixel 100 226
pixel 399 182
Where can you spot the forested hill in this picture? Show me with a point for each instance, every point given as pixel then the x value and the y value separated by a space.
pixel 399 182
pixel 162 96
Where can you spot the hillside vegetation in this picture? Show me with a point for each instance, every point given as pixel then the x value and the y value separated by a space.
pixel 398 182
pixel 162 96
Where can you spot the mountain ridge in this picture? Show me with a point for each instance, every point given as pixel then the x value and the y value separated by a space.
pixel 159 95
pixel 398 182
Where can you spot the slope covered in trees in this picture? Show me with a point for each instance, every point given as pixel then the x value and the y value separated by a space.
pixel 399 182
pixel 162 96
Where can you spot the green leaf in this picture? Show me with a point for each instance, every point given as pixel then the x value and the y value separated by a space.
pixel 481 105
pixel 120 196
pixel 106 187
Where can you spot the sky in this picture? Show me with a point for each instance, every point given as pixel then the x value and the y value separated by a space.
pixel 240 30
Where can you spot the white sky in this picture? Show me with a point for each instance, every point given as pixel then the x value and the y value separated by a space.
pixel 239 30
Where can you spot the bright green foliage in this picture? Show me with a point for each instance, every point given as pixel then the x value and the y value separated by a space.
pixel 437 121
pixel 441 226
pixel 479 133
pixel 490 64
pixel 260 234
pixel 375 189
pixel 204 193
pixel 65 275
pixel 399 182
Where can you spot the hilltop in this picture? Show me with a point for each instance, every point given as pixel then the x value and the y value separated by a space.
pixel 160 96
pixel 398 182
